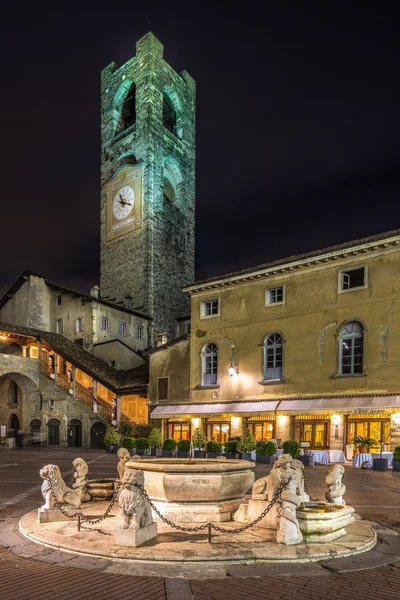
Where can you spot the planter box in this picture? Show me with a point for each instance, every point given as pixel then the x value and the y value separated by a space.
pixel 267 460
pixel 213 454
pixel 112 449
pixel 231 456
pixel 246 456
pixel 140 451
pixel 167 453
pixel 183 454
pixel 153 451
pixel 306 459
pixel 396 466
pixel 199 453
pixel 379 464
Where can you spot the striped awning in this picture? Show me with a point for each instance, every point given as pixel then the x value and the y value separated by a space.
pixel 348 404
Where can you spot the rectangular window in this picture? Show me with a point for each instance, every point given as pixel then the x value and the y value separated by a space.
pixel 59 299
pixel 353 278
pixel 275 295
pixel 210 308
pixel 139 332
pixel 122 328
pixel 103 323
pixel 51 404
pixel 79 325
pixel 41 402
pixel 162 392
pixel 60 325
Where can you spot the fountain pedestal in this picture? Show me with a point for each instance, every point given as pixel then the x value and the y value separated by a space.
pixel 321 522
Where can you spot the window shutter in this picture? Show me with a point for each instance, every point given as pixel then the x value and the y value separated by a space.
pixel 163 388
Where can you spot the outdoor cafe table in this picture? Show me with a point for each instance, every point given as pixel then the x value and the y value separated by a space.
pixel 388 455
pixel 336 456
pixel 360 458
pixel 320 456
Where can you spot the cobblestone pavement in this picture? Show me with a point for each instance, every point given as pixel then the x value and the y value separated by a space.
pixel 32 572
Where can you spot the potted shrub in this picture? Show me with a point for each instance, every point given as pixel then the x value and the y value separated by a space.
pixel 246 445
pixel 129 443
pixel 155 441
pixel 168 448
pixel 293 448
pixel 184 449
pixel 363 444
pixel 213 449
pixel 111 440
pixel 396 459
pixel 142 445
pixel 265 452
pixel 199 441
pixel 231 450
pixel 381 463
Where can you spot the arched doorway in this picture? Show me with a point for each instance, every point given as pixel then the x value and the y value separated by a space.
pixel 53 428
pixel 74 434
pixel 97 433
pixel 36 430
pixel 14 425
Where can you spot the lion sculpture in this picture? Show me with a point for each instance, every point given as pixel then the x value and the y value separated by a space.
pixel 64 494
pixel 336 488
pixel 135 511
pixel 80 471
pixel 123 456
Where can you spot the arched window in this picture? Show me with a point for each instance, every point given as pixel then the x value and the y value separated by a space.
pixel 351 347
pixel 273 355
pixel 127 116
pixel 210 364
pixel 169 114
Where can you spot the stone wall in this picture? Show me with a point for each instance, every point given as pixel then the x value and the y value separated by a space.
pixel 154 262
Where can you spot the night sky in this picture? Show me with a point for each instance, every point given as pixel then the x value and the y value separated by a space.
pixel 298 126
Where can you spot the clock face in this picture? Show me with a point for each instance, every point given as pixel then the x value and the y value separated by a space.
pixel 123 202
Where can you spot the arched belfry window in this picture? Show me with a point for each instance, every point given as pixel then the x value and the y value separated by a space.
pixel 127 116
pixel 273 357
pixel 351 348
pixel 210 364
pixel 169 114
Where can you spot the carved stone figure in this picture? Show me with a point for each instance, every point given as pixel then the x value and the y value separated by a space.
pixel 336 488
pixel 80 471
pixel 63 493
pixel 259 491
pixel 299 468
pixel 136 524
pixel 135 511
pixel 123 455
pixel 288 530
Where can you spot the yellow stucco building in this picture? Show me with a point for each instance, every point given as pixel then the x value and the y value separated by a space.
pixel 305 347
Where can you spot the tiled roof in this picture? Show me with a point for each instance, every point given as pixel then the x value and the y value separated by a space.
pixel 168 344
pixel 298 257
pixel 119 382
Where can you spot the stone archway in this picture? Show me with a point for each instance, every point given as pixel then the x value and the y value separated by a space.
pixel 13 424
pixel 97 433
pixel 17 394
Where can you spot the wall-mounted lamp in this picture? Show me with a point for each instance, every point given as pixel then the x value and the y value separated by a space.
pixel 336 419
pixel 282 418
pixel 396 417
pixel 232 370
pixel 196 422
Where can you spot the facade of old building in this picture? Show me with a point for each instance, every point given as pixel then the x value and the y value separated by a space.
pixel 304 348
pixel 147 179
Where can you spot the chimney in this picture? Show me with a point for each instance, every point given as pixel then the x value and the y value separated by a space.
pixel 128 302
pixel 95 291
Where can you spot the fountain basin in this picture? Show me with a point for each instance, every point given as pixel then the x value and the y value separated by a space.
pixel 323 522
pixel 100 489
pixel 196 491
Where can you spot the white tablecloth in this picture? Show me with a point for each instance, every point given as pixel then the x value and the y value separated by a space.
pixel 388 455
pixel 336 456
pixel 359 459
pixel 320 456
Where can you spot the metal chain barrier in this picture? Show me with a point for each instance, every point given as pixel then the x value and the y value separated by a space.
pixel 209 526
pixel 79 514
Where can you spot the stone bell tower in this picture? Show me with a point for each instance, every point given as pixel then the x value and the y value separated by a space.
pixel 148 185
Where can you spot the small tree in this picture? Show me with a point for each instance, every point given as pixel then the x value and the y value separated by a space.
pixel 112 437
pixel 169 444
pixel 142 430
pixel 198 438
pixel 155 438
pixel 247 442
pixel 126 426
pixel 129 443
pixel 265 448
